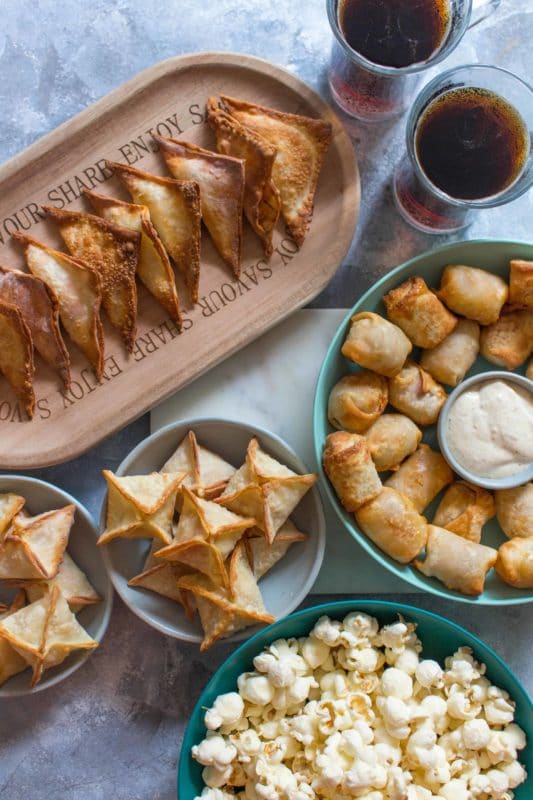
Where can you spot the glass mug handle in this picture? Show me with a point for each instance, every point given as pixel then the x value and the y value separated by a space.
pixel 481 9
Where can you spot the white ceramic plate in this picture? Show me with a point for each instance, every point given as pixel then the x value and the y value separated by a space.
pixel 40 497
pixel 283 588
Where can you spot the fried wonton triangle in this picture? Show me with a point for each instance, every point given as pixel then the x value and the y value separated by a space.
pixel 10 505
pixel 78 290
pixel 263 556
pixel 11 662
pixel 16 355
pixel 140 506
pixel 153 268
pixel 207 473
pixel 174 208
pixel 162 579
pixel 113 252
pixel 40 311
pixel 72 583
pixel 214 620
pixel 264 467
pixel 33 547
pixel 261 198
pixel 45 633
pixel 301 144
pixel 221 182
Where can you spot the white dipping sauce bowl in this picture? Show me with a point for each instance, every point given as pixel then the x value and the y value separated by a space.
pixel 507 482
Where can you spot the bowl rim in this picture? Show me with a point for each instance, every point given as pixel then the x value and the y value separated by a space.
pixel 107 599
pixel 255 430
pixel 329 608
pixel 507 482
pixel 381 558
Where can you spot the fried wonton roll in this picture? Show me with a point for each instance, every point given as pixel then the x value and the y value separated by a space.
pixel 414 392
pixel 514 509
pixel 377 344
pixel 421 477
pixel 350 468
pixel 515 563
pixel 392 522
pixel 16 355
pixel 450 360
pixel 357 400
pixel 461 565
pixel 521 283
pixel 474 293
pixel 419 313
pixel 464 509
pixel 391 439
pixel 509 341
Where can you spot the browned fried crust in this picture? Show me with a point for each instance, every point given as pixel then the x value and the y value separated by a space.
pixel 40 310
pixel 187 256
pixel 22 383
pixel 321 133
pixel 116 266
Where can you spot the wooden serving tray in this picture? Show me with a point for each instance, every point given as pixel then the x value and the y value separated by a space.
pixel 168 98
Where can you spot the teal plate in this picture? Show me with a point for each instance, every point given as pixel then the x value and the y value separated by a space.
pixel 439 636
pixel 491 255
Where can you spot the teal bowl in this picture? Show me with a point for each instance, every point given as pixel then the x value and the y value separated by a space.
pixel 488 254
pixel 439 636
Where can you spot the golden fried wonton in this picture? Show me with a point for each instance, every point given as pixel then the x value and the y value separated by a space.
pixel 10 504
pixel 162 579
pixel 207 473
pixel 11 662
pixel 113 252
pixel 140 506
pixel 263 556
pixel 261 197
pixel 301 144
pixel 221 181
pixel 78 290
pixel 33 547
pixel 153 268
pixel 44 633
pixel 174 208
pixel 72 583
pixel 40 311
pixel 16 355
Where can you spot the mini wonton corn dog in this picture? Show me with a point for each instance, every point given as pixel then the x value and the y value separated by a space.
pixel 450 360
pixel 16 355
pixel 515 563
pixel 460 565
pixel 357 400
pixel 474 293
pixel 514 509
pixel 464 509
pixel 419 313
pixel 390 439
pixel 301 144
pixel 414 392
pixel 509 341
pixel 377 344
pixel 421 477
pixel 40 311
pixel 392 522
pixel 521 284
pixel 349 466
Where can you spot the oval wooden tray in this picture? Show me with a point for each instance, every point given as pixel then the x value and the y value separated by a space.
pixel 168 98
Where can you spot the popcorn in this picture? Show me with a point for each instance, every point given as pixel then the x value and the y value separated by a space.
pixel 352 711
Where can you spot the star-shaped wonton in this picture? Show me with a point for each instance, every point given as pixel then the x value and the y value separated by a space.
pixel 45 633
pixel 140 506
pixel 153 268
pixel 301 144
pixel 162 578
pixel 11 662
pixel 33 547
pixel 207 473
pixel 263 556
pixel 224 611
pixel 10 505
pixel 16 355
pixel 206 534
pixel 72 583
pixel 265 489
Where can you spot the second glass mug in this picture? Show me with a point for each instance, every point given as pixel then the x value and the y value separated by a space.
pixel 375 92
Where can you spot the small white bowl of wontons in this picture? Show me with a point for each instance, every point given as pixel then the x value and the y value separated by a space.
pixel 166 574
pixel 50 568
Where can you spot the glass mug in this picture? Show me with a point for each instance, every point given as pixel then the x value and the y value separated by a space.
pixel 468 140
pixel 373 91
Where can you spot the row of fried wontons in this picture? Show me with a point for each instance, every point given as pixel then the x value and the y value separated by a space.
pixel 268 163
pixel 233 526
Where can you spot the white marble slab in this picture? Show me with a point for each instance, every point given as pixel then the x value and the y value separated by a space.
pixel 271 383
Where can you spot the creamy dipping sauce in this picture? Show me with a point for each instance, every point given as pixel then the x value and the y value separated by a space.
pixel 490 429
